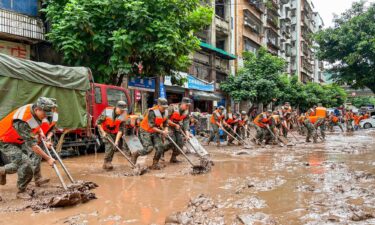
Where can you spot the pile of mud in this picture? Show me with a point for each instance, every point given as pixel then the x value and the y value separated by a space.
pixel 52 197
pixel 205 166
pixel 200 210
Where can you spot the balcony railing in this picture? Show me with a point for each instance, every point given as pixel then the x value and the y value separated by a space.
pixel 258 5
pixel 307 66
pixel 21 25
pixel 273 19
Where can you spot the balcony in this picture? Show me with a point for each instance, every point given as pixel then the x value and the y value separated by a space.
pixel 306 65
pixel 258 5
pixel 273 42
pixel 222 25
pixel 252 22
pixel 272 19
pixel 26 27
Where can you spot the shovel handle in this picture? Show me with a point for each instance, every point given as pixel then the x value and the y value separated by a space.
pixel 230 134
pixel 62 165
pixel 181 151
pixel 122 152
pixel 55 167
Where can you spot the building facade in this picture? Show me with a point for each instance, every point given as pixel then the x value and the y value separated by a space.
pixel 285 27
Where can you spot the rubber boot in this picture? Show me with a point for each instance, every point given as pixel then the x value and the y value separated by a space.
pixel 23 195
pixel 134 157
pixel 218 144
pixel 155 165
pixel 107 165
pixel 40 181
pixel 3 176
pixel 174 158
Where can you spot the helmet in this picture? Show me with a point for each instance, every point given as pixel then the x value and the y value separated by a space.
pixel 163 102
pixel 121 105
pixel 46 104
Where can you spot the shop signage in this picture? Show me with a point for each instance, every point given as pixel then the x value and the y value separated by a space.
pixel 197 84
pixel 15 49
pixel 142 83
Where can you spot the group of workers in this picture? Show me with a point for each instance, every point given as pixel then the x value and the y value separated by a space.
pixel 25 133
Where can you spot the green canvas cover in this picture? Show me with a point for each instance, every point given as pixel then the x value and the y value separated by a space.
pixel 23 82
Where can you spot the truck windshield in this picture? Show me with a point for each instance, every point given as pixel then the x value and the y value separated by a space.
pixel 114 95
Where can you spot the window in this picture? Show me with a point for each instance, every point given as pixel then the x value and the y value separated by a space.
pixel 293 28
pixel 114 95
pixel 251 23
pixel 250 46
pixel 220 8
pixel 98 95
pixel 220 44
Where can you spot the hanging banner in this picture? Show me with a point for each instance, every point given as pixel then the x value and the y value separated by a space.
pixel 162 93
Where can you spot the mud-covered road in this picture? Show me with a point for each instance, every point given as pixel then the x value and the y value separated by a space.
pixel 325 183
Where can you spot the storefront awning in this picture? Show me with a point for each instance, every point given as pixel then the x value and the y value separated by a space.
pixel 207 96
pixel 218 51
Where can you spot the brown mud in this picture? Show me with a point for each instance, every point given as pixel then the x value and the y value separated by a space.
pixel 331 182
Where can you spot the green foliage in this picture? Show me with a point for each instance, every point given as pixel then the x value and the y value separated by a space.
pixel 350 47
pixel 257 80
pixel 116 37
pixel 362 101
pixel 306 96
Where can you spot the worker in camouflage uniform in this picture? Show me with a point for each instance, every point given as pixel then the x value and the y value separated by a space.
pixel 334 121
pixel 178 121
pixel 321 125
pixel 231 120
pixel 111 124
pixel 309 122
pixel 47 129
pixel 153 131
pixel 217 121
pixel 19 133
pixel 242 125
pixel 262 125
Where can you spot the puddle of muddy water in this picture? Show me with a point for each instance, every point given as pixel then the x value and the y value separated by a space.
pixel 289 185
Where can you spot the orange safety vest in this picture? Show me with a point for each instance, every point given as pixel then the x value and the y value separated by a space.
pixel 349 116
pixel 366 116
pixel 8 134
pixel 231 119
pixel 220 117
pixel 313 119
pixel 177 116
pixel 46 125
pixel 111 125
pixel 335 119
pixel 159 120
pixel 242 122
pixel 263 122
pixel 301 119
pixel 321 112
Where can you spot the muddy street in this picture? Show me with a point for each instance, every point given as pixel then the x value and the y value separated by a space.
pixel 330 182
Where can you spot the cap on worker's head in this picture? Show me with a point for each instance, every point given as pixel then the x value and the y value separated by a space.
pixel 221 107
pixel 269 111
pixel 163 102
pixel 320 104
pixel 121 105
pixel 46 104
pixel 287 103
pixel 243 113
pixel 186 100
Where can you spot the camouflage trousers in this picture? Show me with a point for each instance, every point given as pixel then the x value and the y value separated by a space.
pixel 36 162
pixel 262 134
pixel 230 130
pixel 310 131
pixel 241 131
pixel 349 125
pixel 178 138
pixel 214 133
pixel 331 125
pixel 152 141
pixel 110 149
pixel 16 161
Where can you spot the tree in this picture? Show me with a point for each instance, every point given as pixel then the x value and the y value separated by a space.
pixel 350 46
pixel 117 38
pixel 257 80
pixel 306 96
pixel 362 101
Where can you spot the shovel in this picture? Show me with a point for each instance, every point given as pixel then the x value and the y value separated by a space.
pixel 239 137
pixel 196 168
pixel 138 171
pixel 233 136
pixel 55 167
pixel 274 136
pixel 199 153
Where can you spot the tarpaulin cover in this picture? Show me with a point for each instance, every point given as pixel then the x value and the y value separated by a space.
pixel 23 82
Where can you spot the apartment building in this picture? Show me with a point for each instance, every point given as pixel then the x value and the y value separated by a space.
pixel 285 27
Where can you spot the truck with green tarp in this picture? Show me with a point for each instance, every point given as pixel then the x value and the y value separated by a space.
pixel 80 101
